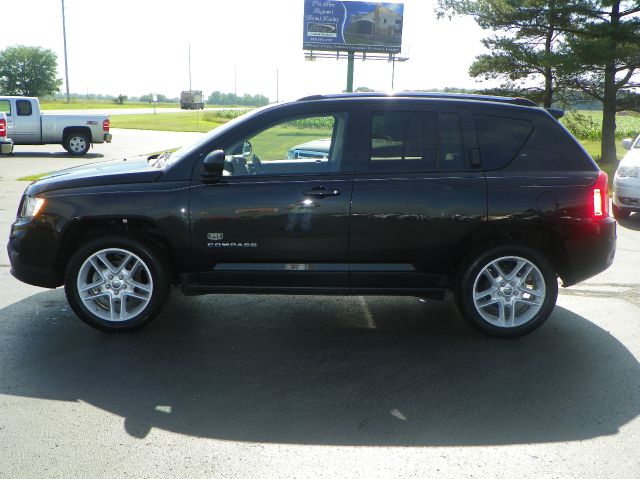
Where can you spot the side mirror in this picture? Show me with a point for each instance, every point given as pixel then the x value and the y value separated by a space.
pixel 213 165
pixel 627 143
pixel 246 149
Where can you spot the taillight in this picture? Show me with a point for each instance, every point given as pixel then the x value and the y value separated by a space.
pixel 3 128
pixel 601 196
pixel 105 125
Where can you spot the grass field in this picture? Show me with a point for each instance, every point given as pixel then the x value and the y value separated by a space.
pixel 587 125
pixel 106 105
pixel 186 121
pixel 91 105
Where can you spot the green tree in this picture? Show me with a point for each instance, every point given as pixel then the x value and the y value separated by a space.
pixel 602 57
pixel 524 47
pixel 29 71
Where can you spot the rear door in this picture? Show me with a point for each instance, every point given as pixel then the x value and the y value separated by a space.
pixel 416 196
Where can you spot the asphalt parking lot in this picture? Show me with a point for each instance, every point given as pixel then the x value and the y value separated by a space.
pixel 273 386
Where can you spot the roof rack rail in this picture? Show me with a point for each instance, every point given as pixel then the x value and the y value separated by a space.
pixel 435 95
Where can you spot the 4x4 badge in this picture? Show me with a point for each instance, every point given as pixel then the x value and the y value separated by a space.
pixel 215 236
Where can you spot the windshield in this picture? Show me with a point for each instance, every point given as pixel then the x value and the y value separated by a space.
pixel 169 158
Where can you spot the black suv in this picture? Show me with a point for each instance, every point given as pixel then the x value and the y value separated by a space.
pixel 411 194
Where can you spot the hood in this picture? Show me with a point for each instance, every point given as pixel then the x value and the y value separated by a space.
pixel 125 171
pixel 632 158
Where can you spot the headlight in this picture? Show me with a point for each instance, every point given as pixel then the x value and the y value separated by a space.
pixel 31 206
pixel 627 172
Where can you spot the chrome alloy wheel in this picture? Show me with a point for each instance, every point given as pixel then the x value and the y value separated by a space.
pixel 115 284
pixel 509 291
pixel 78 144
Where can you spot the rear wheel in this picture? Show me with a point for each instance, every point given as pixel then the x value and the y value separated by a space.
pixel 77 143
pixel 620 213
pixel 116 284
pixel 507 291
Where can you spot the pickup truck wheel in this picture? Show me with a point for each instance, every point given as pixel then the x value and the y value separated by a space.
pixel 507 291
pixel 116 284
pixel 77 144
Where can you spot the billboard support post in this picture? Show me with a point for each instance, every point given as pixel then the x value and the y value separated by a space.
pixel 350 62
pixel 359 28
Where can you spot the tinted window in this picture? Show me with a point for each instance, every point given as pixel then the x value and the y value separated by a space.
pixel 301 145
pixel 416 141
pixel 5 107
pixel 451 147
pixel 23 107
pixel 500 139
pixel 551 148
pixel 403 140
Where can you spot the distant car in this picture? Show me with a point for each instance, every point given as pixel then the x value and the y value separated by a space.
pixel 318 149
pixel 6 144
pixel 626 182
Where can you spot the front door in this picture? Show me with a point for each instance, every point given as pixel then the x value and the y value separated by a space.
pixel 26 123
pixel 279 215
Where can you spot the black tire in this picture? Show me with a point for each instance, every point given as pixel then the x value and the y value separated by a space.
pixel 526 300
pixel 138 278
pixel 620 213
pixel 77 143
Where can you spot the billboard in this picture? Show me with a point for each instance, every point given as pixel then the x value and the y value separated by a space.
pixel 352 26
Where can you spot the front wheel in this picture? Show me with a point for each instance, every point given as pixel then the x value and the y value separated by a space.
pixel 116 284
pixel 507 291
pixel 77 143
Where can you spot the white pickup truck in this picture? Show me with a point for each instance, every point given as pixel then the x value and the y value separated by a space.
pixel 26 125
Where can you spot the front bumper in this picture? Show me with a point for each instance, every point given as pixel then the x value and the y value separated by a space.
pixel 6 147
pixel 626 194
pixel 32 252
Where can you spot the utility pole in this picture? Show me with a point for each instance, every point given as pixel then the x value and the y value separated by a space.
pixel 66 67
pixel 277 85
pixel 189 66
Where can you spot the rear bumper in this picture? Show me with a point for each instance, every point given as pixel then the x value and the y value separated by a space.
pixel 591 251
pixel 6 147
pixel 108 137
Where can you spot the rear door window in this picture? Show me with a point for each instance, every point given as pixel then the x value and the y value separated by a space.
pixel 23 107
pixel 416 141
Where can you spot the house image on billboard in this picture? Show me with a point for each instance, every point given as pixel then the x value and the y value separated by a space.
pixel 381 22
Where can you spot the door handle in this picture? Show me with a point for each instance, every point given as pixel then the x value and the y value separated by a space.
pixel 321 192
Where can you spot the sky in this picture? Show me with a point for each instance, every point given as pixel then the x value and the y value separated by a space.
pixel 136 47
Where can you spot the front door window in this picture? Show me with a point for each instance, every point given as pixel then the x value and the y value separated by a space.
pixel 297 146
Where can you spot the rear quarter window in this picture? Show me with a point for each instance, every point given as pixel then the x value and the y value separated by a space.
pixel 551 147
pixel 500 139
